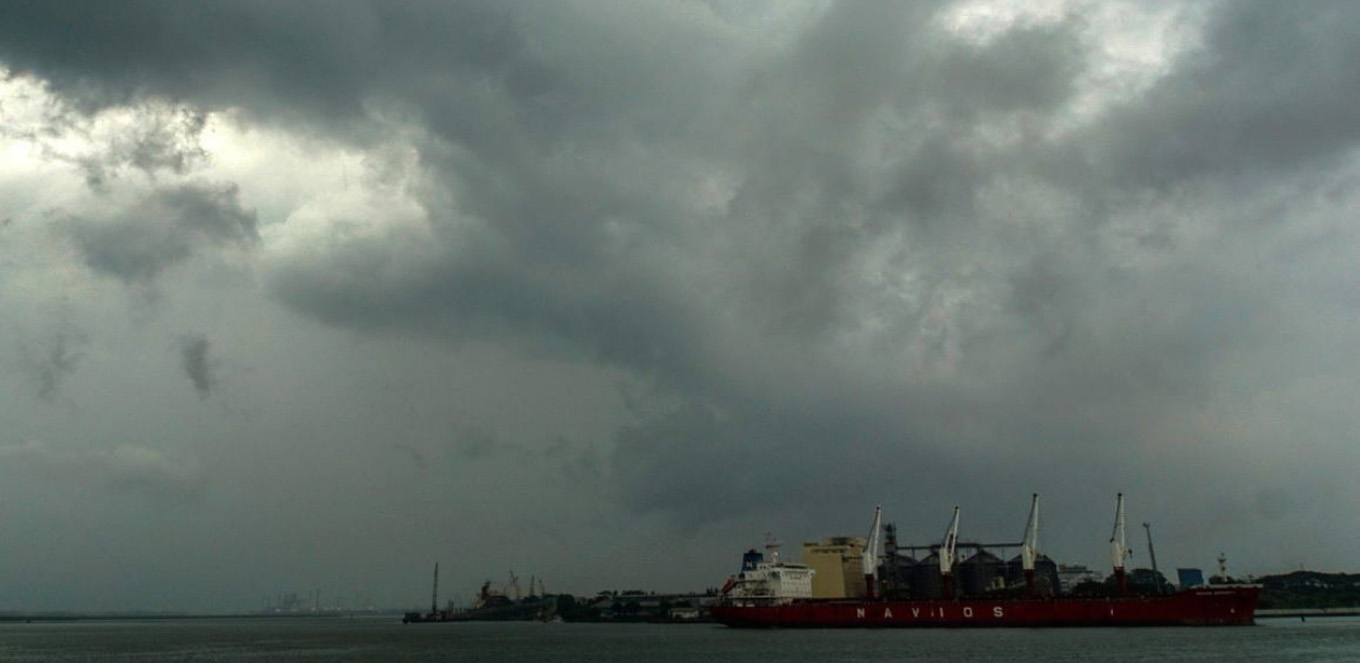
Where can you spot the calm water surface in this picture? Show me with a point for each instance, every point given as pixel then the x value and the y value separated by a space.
pixel 356 640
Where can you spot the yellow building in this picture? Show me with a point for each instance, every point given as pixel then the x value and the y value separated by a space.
pixel 839 565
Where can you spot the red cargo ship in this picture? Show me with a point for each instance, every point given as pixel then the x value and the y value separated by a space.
pixel 771 594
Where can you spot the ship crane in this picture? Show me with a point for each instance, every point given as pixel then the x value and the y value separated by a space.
pixel 946 554
pixel 1119 549
pixel 1029 546
pixel 1152 555
pixel 871 554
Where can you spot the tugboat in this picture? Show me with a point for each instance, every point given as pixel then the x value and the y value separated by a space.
pixel 776 595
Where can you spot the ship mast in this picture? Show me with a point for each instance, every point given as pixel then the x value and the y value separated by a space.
pixel 772 548
pixel 1119 549
pixel 946 554
pixel 1029 547
pixel 871 555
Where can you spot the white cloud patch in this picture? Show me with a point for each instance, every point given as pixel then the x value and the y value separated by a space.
pixel 138 470
pixel 148 137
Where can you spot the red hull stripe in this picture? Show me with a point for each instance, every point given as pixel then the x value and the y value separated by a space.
pixel 1226 606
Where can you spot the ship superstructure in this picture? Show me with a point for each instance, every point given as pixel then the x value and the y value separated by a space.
pixel 764 580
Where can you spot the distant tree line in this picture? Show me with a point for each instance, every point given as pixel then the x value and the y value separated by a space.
pixel 1309 589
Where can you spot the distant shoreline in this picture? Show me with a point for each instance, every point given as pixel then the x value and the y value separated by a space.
pixel 1309 612
pixel 10 618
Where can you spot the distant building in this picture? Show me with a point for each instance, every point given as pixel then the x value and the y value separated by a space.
pixel 839 565
pixel 1149 580
pixel 1047 582
pixel 1190 578
pixel 981 573
pixel 1071 575
pixel 897 564
pixel 639 606
pixel 925 579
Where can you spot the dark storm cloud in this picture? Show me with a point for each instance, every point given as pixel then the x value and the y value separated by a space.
pixel 308 61
pixel 1273 89
pixel 136 243
pixel 699 463
pixel 1065 354
pixel 196 359
pixel 1026 69
pixel 552 308
pixel 798 246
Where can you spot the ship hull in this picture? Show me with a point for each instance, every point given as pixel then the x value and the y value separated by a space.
pixel 1214 606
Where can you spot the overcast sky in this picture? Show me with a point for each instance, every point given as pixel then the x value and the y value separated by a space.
pixel 311 295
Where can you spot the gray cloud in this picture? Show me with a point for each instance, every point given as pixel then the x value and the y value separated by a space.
pixel 135 244
pixel 133 470
pixel 53 361
pixel 1272 90
pixel 196 359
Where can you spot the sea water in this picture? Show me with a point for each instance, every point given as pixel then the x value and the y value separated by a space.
pixel 368 639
